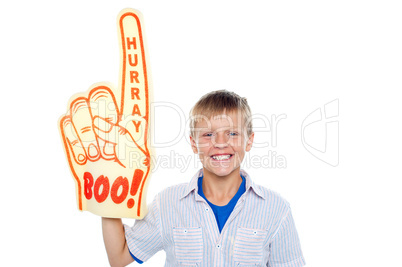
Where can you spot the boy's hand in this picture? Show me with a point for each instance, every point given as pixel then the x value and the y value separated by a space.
pixel 105 140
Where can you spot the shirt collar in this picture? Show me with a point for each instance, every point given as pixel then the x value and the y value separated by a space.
pixel 193 185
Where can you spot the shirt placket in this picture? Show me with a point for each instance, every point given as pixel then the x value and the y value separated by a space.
pixel 208 218
pixel 219 256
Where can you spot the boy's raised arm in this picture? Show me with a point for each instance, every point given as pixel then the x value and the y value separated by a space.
pixel 115 242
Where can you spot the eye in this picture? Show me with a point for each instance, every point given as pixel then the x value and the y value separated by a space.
pixel 207 134
pixel 233 133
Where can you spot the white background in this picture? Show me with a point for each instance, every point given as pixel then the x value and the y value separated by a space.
pixel 290 58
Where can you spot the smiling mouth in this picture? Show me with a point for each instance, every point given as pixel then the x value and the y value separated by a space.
pixel 221 157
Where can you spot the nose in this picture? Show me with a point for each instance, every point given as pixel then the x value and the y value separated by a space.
pixel 220 140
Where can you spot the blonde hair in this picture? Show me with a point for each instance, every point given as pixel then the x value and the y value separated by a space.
pixel 220 102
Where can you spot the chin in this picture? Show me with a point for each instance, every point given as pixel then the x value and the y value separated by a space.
pixel 221 172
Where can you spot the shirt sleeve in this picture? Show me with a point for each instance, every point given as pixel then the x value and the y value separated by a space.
pixel 285 249
pixel 144 239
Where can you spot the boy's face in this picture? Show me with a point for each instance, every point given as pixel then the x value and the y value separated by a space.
pixel 221 143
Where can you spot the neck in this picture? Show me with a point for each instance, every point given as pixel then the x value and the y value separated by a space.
pixel 219 190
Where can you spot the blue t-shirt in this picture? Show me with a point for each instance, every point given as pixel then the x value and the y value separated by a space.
pixel 222 213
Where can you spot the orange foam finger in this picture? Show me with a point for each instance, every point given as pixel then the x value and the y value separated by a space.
pixel 106 141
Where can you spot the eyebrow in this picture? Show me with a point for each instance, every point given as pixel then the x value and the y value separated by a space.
pixel 208 129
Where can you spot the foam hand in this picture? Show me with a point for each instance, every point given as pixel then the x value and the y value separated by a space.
pixel 105 133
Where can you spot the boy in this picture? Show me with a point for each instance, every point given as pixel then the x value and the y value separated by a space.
pixel 220 218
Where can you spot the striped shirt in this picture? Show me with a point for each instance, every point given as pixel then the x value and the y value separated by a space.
pixel 260 231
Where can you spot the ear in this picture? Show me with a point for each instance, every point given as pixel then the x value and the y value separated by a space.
pixel 250 141
pixel 193 145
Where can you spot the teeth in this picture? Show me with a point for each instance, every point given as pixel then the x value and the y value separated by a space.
pixel 221 157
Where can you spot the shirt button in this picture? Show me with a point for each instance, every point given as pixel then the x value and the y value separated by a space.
pixel 255 232
pixel 206 209
pixel 218 246
pixel 185 231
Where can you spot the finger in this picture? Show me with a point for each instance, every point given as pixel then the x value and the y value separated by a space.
pixel 105 116
pixel 103 103
pixel 81 119
pixel 107 137
pixel 134 82
pixel 72 144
